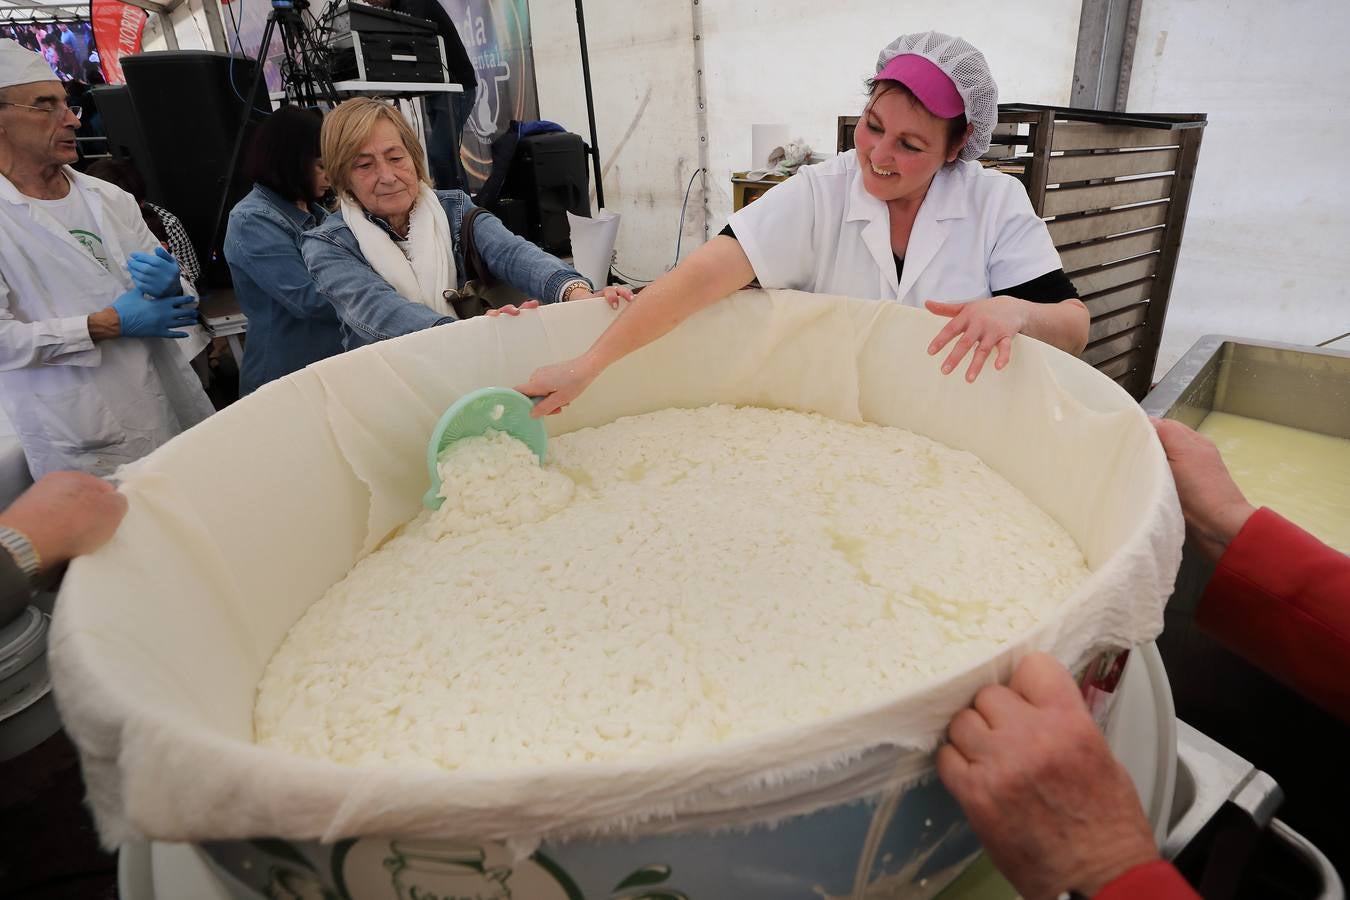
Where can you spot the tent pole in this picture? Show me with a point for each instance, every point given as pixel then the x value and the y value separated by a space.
pixel 594 149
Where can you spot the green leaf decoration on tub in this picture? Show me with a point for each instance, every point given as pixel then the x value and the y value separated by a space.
pixel 410 869
pixel 427 870
pixel 640 885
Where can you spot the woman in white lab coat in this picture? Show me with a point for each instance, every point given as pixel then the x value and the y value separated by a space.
pixel 907 216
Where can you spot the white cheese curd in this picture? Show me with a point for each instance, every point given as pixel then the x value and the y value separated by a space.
pixel 669 580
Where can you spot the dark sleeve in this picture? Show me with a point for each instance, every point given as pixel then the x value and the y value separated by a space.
pixel 15 591
pixel 180 245
pixel 1051 287
pixel 155 222
pixel 456 57
pixel 727 231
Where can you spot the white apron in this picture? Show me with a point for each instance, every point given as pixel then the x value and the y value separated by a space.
pixel 76 404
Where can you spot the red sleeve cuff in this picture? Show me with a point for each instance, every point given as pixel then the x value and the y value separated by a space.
pixel 1281 598
pixel 1157 880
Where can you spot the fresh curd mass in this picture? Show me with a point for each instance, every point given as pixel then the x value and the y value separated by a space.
pixel 666 581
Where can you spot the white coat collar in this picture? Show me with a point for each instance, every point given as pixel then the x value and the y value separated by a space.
pixel 947 195
pixel 93 190
pixel 947 199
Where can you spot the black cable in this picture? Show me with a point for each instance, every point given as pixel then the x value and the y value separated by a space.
pixel 1335 339
pixel 239 44
pixel 680 237
pixel 234 21
pixel 630 278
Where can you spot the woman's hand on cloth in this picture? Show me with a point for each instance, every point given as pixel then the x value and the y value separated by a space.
pixel 1033 749
pixel 157 274
pixel 1212 503
pixel 984 326
pixel 613 294
pixel 512 310
pixel 557 385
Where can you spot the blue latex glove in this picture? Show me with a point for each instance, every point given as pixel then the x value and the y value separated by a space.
pixel 141 316
pixel 155 275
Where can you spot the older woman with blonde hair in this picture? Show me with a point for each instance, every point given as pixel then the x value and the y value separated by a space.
pixel 392 257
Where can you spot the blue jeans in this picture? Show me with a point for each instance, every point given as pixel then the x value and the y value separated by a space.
pixel 446 116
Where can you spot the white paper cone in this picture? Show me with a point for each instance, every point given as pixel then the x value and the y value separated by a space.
pixel 593 244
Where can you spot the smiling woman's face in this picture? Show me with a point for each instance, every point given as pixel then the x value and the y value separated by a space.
pixel 383 177
pixel 900 145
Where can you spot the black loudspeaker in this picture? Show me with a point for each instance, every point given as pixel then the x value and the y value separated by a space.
pixel 122 127
pixel 190 107
pixel 550 177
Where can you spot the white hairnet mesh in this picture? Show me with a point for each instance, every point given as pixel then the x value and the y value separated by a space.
pixel 967 69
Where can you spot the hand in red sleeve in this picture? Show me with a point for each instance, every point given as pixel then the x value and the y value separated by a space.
pixel 1053 808
pixel 1214 507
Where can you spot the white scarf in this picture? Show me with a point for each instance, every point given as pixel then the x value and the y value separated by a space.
pixel 428 271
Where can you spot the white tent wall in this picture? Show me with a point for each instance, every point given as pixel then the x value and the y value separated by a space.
pixel 791 62
pixel 189 26
pixel 1263 254
pixel 803 64
pixel 646 110
pixel 1265 249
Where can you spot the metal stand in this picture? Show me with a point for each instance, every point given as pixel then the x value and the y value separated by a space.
pixel 304 76
pixel 593 149
pixel 304 69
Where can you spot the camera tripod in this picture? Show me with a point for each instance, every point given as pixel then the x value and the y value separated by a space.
pixel 305 78
pixel 304 59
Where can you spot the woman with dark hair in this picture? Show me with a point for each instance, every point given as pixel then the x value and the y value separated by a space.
pixel 290 324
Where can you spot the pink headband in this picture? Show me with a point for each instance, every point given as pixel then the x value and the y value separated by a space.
pixel 933 88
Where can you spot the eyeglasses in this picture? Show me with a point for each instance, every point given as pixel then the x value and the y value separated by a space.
pixel 57 111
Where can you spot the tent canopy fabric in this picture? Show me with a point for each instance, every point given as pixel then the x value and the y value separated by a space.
pixel 55 10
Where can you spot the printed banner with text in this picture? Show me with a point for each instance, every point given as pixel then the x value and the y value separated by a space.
pixel 496 34
pixel 117 33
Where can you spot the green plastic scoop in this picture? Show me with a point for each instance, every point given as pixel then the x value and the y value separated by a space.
pixel 476 413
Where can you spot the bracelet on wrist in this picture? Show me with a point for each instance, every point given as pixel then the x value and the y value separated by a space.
pixel 573 287
pixel 21 548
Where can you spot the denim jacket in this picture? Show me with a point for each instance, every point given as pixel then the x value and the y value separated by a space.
pixel 290 324
pixel 369 307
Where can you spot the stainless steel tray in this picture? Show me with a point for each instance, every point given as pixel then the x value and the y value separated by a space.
pixel 1302 387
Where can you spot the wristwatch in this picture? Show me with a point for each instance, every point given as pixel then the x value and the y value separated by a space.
pixel 21 548
pixel 571 288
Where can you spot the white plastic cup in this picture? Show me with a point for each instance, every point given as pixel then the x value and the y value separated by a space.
pixel 593 245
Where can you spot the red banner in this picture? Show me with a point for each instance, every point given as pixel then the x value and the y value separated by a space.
pixel 117 33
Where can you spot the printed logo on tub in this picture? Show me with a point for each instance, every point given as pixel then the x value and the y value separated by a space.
pixel 372 869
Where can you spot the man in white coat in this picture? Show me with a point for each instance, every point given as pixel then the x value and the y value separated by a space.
pixel 93 316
